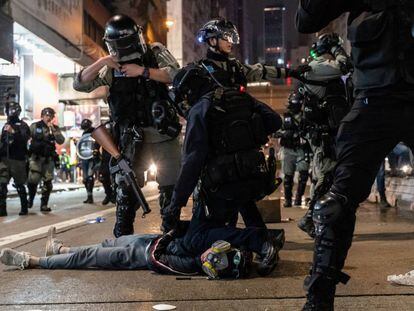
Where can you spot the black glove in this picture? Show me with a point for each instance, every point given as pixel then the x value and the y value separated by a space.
pixel 298 72
pixel 170 217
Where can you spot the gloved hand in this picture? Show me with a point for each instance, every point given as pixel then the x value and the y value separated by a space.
pixel 337 49
pixel 170 217
pixel 298 72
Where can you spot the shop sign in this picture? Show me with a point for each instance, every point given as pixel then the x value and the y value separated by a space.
pixel 63 16
pixel 6 38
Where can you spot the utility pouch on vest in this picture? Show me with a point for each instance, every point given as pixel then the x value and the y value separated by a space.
pixel 243 175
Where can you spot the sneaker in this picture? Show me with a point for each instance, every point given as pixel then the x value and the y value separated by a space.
pixel 11 257
pixel 288 203
pixel 270 253
pixel 52 244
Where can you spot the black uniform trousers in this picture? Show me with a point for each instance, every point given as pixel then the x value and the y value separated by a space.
pixel 367 134
pixel 205 230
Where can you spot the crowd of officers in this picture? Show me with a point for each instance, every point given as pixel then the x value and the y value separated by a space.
pixel 222 163
pixel 28 165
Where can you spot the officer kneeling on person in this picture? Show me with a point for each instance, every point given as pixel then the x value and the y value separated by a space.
pixel 13 153
pixel 45 135
pixel 224 134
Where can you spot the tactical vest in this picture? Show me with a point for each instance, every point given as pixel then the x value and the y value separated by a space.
pixel 236 168
pixel 131 98
pixel 329 110
pixel 382 39
pixel 290 126
pixel 42 145
pixel 233 76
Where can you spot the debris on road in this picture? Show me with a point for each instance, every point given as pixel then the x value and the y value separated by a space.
pixel 402 279
pixel 96 220
pixel 164 307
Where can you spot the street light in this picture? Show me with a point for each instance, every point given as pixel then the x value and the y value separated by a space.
pixel 169 23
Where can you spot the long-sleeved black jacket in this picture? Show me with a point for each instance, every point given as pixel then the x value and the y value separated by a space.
pixel 381 33
pixel 195 150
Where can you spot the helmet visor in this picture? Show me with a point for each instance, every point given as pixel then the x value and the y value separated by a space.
pixel 127 45
pixel 231 36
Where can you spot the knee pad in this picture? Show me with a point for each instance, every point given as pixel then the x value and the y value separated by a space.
pixel 327 210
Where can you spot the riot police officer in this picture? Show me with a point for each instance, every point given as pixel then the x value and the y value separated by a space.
pixel 222 153
pixel 89 165
pixel 295 150
pixel 221 35
pixel 45 135
pixel 220 69
pixel 382 40
pixel 13 152
pixel 326 103
pixel 146 126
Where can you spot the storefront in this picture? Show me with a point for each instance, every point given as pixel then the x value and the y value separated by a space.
pixel 43 50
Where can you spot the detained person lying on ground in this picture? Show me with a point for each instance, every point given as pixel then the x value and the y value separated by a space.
pixel 159 253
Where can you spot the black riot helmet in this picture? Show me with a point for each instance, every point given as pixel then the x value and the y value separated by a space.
pixel 124 38
pixel 47 112
pixel 86 124
pixel 295 102
pixel 325 44
pixel 219 28
pixel 12 110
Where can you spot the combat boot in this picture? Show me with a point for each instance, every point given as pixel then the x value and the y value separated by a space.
pixel 321 295
pixel 288 202
pixel 89 199
pixel 3 211
pixel 43 204
pixel 106 200
pixel 21 190
pixel 3 198
pixel 32 193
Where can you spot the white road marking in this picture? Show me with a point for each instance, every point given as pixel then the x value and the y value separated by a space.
pixel 61 225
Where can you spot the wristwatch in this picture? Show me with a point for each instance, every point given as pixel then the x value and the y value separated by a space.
pixel 146 73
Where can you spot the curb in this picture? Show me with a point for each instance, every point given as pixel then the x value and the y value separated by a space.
pixel 15 195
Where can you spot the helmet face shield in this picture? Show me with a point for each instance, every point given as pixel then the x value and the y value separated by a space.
pixel 124 38
pixel 231 36
pixel 48 112
pixel 127 45
pixel 12 109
